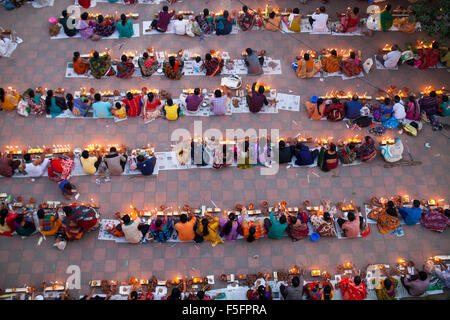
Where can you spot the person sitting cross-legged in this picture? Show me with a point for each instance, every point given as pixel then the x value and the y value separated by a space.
pixel 275 228
pixel 411 215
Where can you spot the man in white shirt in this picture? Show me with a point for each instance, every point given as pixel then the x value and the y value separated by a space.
pixel 35 168
pixel 318 20
pixel 390 60
pixel 399 109
pixel 134 231
pixel 180 25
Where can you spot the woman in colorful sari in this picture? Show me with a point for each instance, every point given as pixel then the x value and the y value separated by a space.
pixel 229 228
pixel 36 103
pixel 104 28
pixel 224 24
pixel 307 67
pixel 319 290
pixel 80 66
pixel 294 20
pixel 428 57
pixel 213 66
pixel 78 106
pixel 297 226
pixel 71 229
pixel 352 66
pixel 246 20
pixel 367 151
pixel 206 22
pixel 125 27
pixel 150 106
pixel 386 219
pixel 60 169
pixel 331 63
pixel 85 27
pixel 208 228
pixel 161 229
pixel 386 18
pixel 133 104
pixel 350 22
pixel 148 65
pixel 387 290
pixel 101 66
pixel 353 289
pixel 8 100
pixel 54 105
pixel 173 69
pixel 125 68
pixel 315 108
pixel 324 224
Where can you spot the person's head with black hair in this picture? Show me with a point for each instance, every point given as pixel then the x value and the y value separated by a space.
pixel 387 283
pixel 226 14
pixel 249 51
pixel 412 99
pixel 246 145
pixel 129 94
pixel 68 187
pixel 388 7
pixel 387 101
pixel 391 211
pixel 123 58
pixel 217 93
pixel 175 295
pixel 251 234
pixel 326 216
pixel 112 149
pixel 261 90
pixel 245 9
pixel 423 275
pixel 292 219
pixel 169 102
pixel 355 97
pixel 322 9
pixel 296 11
pixel 197 91
pixel 2 95
pixel 357 280
pixel 76 55
pixel 198 59
pixel 335 100
pixel 123 17
pixel 64 14
pixel 84 16
pixel 272 15
pixel 447 213
pixel 416 204
pixel 332 147
pixel 306 56
pixel 133 295
pixel 200 294
pixel 355 10
pixel 205 227
pixel 48 100
pixel 165 8
pixel 96 54
pixel 126 219
pixel 433 94
pixel 27 157
pixel 333 53
pixel 391 204
pixel 208 57
pixel 69 98
pixel 444 98
pixel 281 144
pixel 319 101
pixel 229 224
pixel 140 158
pixel 299 146
pixel 145 55
pixel 172 61
pixel 97 97
pixel 19 218
pixel 397 99
pixel 352 55
pixel 283 219
pixel 262 293
pixel 205 12
pixel 295 281
pixel 158 222
pixel 100 19
pixel 435 45
pixel 395 47
pixel 118 105
pixel 183 218
pixel 351 215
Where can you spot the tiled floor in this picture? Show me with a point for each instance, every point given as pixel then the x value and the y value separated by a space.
pixel 41 61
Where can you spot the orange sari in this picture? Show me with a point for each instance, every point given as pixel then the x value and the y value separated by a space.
pixel 80 67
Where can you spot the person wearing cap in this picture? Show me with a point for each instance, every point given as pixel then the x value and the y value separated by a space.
pixel 315 108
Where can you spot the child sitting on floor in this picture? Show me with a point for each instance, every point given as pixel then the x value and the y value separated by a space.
pixel 120 111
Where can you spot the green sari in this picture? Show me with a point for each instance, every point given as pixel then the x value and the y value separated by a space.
pixel 384 294
pixel 100 66
pixel 386 20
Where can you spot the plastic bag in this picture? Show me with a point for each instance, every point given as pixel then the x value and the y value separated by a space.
pixel 61 245
pixel 367 65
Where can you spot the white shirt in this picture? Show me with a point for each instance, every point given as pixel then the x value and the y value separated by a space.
pixel 180 26
pixel 399 111
pixel 4 46
pixel 391 59
pixel 36 171
pixel 320 22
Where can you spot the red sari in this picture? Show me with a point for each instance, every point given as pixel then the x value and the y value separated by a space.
pixel 349 24
pixel 350 291
pixel 60 169
pixel 428 57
